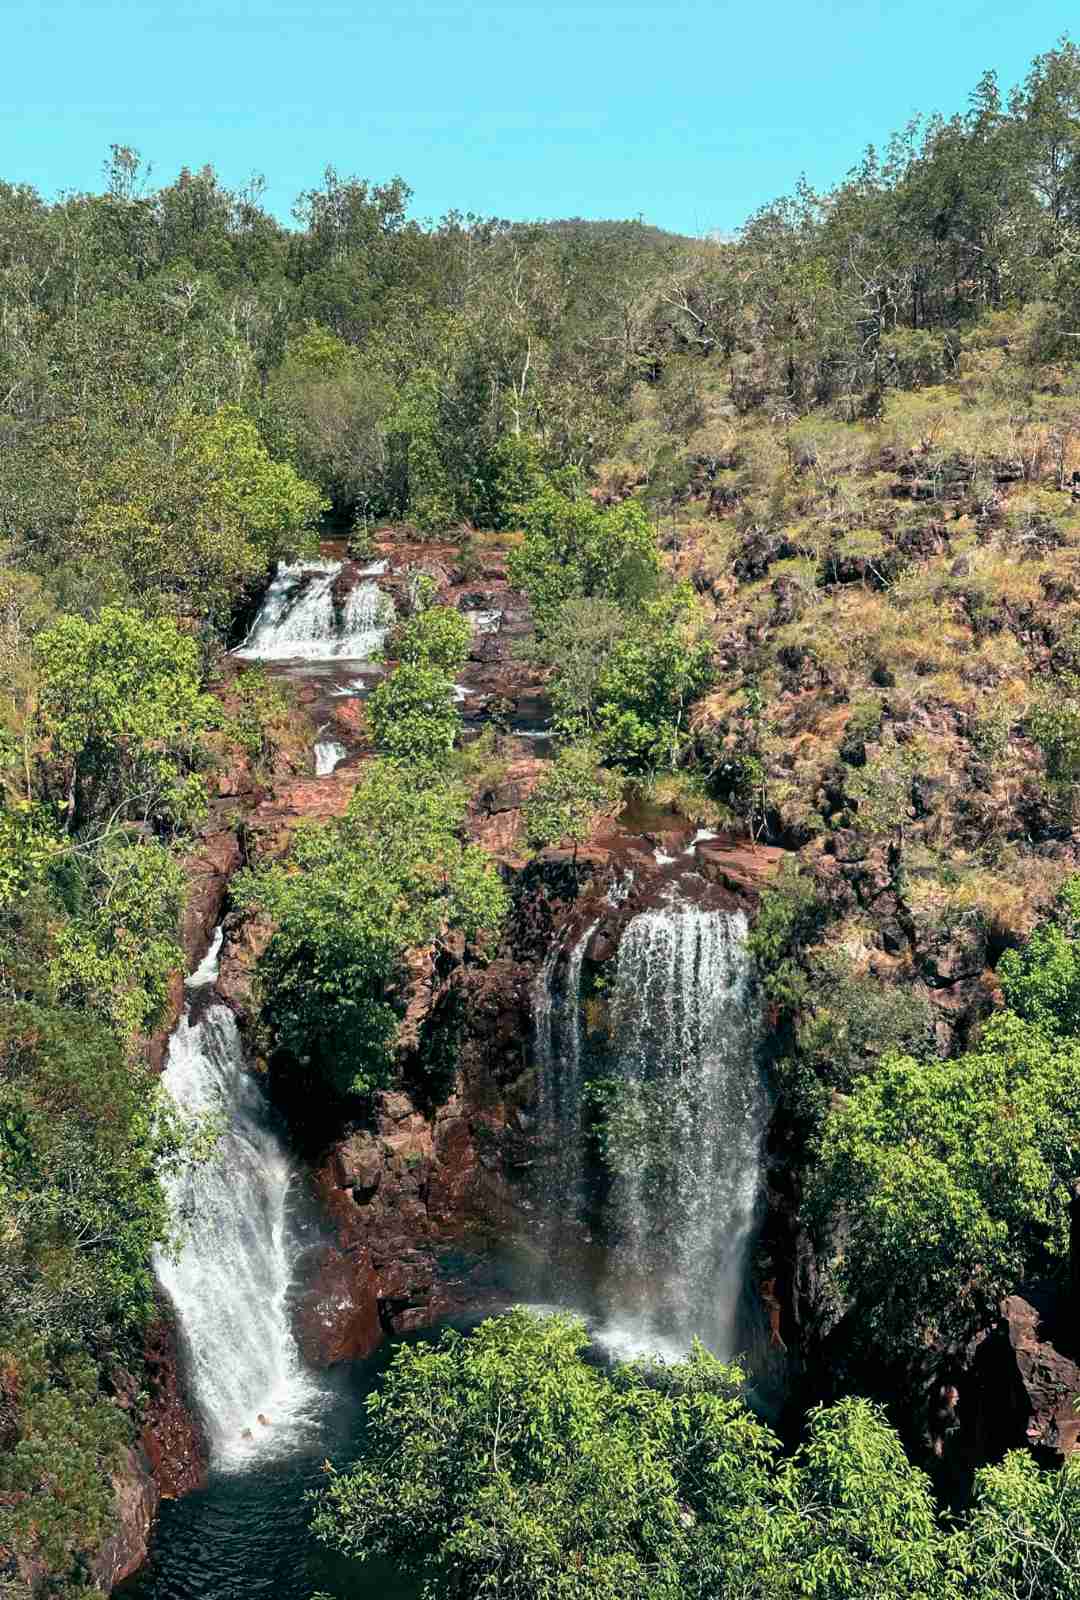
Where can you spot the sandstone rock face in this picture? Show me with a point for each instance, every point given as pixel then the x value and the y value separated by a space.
pixel 137 1501
pixel 1023 1386
pixel 337 1319
pixel 172 1440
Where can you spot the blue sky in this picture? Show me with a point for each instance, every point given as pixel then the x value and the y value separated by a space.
pixel 687 112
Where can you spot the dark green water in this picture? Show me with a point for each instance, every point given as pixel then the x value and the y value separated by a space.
pixel 245 1536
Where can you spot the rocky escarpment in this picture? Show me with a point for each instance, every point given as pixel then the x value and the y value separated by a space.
pixel 436 1183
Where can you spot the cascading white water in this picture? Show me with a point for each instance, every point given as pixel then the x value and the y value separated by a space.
pixel 684 1113
pixel 230 1279
pixel 303 618
pixel 328 753
pixel 686 1120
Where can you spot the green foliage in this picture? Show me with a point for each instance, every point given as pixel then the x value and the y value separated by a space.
pixel 1055 727
pixel 56 1494
pixel 30 839
pixel 572 794
pixel 1022 1537
pixel 81 1130
pixel 573 549
pixel 263 718
pixel 121 707
pixel 854 1520
pixel 434 636
pixel 412 714
pixel 352 899
pixel 504 1462
pixel 789 917
pixel 115 957
pixel 649 682
pixel 1041 982
pixel 192 518
pixel 577 644
pixel 950 1178
pixel 856 1019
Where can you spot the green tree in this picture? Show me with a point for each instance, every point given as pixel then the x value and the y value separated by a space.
pixel 192 518
pixel 572 548
pixel 1041 982
pixel 1022 1534
pixel 395 874
pixel 412 714
pixel 117 955
pixel 948 1180
pixel 649 682
pixel 505 1463
pixel 508 1463
pixel 573 793
pixel 434 636
pixel 121 707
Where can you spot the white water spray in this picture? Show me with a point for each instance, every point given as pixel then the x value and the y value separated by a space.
pixel 303 617
pixel 328 753
pixel 685 1109
pixel 230 1280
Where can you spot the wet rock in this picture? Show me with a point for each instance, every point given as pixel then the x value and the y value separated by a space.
pixel 172 1438
pixel 135 1506
pixel 337 1319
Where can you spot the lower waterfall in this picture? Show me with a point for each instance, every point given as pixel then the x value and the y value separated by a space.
pixel 230 1279
pixel 677 1101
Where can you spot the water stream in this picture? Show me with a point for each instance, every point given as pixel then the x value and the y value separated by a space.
pixel 679 1110
pixel 304 616
pixel 243 1230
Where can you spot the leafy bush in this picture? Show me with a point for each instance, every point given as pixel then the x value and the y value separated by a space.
pixel 573 549
pixel 650 681
pixel 435 636
pixel 572 794
pixel 506 1461
pixel 115 957
pixel 394 874
pixel 1041 982
pixel 412 714
pixel 950 1177
pixel 122 708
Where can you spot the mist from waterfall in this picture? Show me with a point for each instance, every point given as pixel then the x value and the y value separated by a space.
pixel 231 1278
pixel 683 1108
pixel 304 617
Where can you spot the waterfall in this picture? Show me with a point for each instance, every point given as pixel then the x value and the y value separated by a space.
pixel 682 1116
pixel 328 752
pixel 302 617
pixel 562 1091
pixel 229 1280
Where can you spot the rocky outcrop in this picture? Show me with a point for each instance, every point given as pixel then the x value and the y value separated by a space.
pixel 172 1440
pixel 137 1501
pixel 1021 1388
pixel 337 1317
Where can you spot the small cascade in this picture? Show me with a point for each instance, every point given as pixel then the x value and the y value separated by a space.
pixel 305 617
pixel 683 1110
pixel 328 754
pixel 230 1280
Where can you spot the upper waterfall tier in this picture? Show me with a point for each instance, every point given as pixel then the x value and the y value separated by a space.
pixel 307 616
